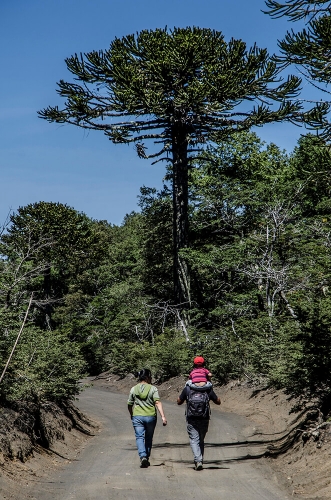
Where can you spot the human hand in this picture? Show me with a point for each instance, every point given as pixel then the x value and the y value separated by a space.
pixel 164 421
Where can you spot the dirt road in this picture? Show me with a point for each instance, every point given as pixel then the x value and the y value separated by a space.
pixel 108 467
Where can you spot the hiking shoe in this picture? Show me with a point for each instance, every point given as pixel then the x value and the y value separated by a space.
pixel 198 466
pixel 144 463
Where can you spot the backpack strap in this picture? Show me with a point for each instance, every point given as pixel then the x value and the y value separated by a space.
pixel 187 397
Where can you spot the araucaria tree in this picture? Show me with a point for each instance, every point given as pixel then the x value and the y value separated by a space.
pixel 299 9
pixel 310 48
pixel 182 88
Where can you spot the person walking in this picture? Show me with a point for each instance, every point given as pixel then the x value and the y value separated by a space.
pixel 197 417
pixel 142 404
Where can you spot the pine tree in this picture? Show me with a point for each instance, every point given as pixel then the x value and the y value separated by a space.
pixel 181 89
pixel 298 9
pixel 309 48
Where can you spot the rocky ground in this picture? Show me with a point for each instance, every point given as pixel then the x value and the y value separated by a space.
pixel 303 466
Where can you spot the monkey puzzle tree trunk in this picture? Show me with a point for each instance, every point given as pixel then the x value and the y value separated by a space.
pixel 180 214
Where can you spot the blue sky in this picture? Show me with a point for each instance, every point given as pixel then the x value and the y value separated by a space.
pixel 42 161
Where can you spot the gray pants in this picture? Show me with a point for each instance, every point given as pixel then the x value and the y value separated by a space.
pixel 197 430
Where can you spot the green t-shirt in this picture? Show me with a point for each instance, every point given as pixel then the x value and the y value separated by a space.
pixel 143 397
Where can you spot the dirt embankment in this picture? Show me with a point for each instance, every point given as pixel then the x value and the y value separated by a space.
pixel 297 444
pixel 34 439
pixel 27 427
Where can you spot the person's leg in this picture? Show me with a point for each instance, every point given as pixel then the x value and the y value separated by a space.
pixel 139 430
pixel 193 432
pixel 150 423
pixel 202 429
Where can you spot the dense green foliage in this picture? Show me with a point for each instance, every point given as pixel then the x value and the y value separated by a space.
pixel 260 259
pixel 188 76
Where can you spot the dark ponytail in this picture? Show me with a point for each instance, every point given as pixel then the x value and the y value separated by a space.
pixel 144 374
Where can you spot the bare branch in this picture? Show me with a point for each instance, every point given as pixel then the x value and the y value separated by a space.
pixel 17 339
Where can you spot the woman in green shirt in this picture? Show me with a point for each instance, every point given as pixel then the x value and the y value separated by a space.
pixel 142 404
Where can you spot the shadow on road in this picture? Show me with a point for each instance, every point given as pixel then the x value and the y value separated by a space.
pixel 233 444
pixel 236 444
pixel 221 461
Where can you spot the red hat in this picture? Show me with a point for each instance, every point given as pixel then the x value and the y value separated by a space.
pixel 198 360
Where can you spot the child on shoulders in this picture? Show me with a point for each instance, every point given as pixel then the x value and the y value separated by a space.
pixel 199 376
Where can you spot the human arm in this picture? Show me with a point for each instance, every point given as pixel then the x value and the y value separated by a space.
pixel 182 397
pixel 131 402
pixel 215 399
pixel 159 408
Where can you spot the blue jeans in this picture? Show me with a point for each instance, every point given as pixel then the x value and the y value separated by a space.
pixel 197 430
pixel 144 431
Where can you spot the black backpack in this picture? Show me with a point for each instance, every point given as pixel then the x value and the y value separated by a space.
pixel 197 403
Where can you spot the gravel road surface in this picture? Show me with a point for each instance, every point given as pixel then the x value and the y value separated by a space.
pixel 108 467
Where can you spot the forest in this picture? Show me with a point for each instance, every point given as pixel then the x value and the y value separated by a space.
pixel 259 257
pixel 230 260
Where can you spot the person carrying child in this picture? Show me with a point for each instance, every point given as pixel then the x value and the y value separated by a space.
pixel 200 376
pixel 197 393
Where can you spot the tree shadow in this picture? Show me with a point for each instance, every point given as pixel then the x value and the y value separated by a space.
pixel 215 468
pixel 221 461
pixel 216 464
pixel 232 444
pixel 189 462
pixel 270 447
